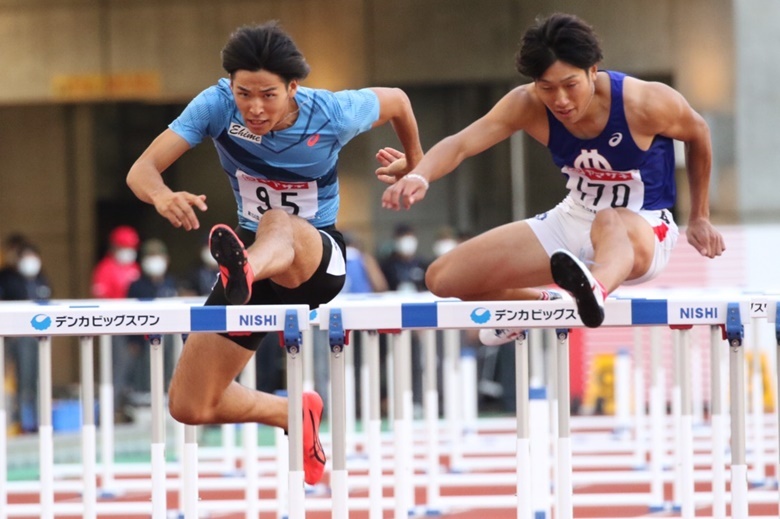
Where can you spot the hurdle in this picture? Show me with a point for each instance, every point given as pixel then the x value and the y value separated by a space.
pixel 400 316
pixel 680 311
pixel 86 319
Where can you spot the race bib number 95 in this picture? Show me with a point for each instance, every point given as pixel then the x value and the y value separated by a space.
pixel 259 195
pixel 598 189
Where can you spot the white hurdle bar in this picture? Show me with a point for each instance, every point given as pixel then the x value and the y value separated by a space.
pixel 679 310
pixel 86 319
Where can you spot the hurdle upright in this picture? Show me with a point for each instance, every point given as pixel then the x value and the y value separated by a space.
pixel 668 309
pixel 86 319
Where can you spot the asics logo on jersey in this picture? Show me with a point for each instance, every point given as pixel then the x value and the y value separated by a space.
pixel 615 139
pixel 314 139
pixel 236 130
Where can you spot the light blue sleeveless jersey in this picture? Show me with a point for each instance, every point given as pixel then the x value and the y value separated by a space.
pixel 292 169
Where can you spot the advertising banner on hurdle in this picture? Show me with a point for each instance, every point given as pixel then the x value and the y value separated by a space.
pixel 143 318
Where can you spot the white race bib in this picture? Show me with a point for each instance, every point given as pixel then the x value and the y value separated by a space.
pixel 259 195
pixel 597 189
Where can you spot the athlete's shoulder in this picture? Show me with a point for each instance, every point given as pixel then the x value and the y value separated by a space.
pixel 217 95
pixel 338 99
pixel 521 107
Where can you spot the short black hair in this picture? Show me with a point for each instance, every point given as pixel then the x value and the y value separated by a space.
pixel 560 37
pixel 264 47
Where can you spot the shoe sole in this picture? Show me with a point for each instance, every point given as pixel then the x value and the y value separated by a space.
pixel 568 275
pixel 230 254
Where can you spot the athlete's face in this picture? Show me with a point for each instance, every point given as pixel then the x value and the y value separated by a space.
pixel 567 90
pixel 264 100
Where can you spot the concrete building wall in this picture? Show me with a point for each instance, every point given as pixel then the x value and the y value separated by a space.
pixel 65 62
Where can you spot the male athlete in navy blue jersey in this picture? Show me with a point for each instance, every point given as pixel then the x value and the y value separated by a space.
pixel 611 135
pixel 278 142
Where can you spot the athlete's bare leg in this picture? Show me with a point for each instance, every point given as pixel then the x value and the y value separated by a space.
pixel 287 249
pixel 623 246
pixel 203 388
pixel 504 263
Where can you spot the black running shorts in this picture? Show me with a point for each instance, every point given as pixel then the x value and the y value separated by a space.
pixel 319 289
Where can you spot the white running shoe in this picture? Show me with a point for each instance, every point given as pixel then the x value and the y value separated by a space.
pixel 571 275
pixel 499 336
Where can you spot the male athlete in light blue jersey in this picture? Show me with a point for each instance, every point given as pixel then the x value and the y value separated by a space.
pixel 611 135
pixel 278 142
pixel 294 168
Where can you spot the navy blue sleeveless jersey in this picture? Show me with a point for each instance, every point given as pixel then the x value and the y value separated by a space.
pixel 292 169
pixel 610 170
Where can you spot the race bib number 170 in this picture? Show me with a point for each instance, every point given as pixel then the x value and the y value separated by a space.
pixel 598 189
pixel 259 195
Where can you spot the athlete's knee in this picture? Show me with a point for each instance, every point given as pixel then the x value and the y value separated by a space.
pixel 607 217
pixel 608 222
pixel 436 279
pixel 185 409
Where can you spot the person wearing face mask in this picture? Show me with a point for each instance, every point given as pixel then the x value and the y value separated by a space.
pixel 22 279
pixel 200 280
pixel 404 268
pixel 113 274
pixel 131 380
pixel 111 279
pixel 446 240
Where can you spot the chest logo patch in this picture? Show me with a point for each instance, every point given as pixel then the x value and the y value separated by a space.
pixel 314 139
pixel 615 139
pixel 236 130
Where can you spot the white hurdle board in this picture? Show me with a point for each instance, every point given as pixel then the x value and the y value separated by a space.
pixel 627 308
pixel 88 318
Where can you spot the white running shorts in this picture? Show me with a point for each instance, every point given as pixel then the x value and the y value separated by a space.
pixel 567 226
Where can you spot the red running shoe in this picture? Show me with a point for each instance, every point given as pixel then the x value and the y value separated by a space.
pixel 313 455
pixel 234 269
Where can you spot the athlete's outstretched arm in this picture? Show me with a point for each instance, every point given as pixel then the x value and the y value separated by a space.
pixel 509 115
pixel 675 118
pixel 395 108
pixel 145 180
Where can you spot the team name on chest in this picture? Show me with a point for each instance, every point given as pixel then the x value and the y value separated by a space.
pixel 236 130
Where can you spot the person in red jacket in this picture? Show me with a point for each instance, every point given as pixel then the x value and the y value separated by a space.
pixel 113 274
pixel 111 279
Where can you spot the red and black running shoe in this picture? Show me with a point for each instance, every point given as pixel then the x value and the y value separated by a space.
pixel 234 269
pixel 313 455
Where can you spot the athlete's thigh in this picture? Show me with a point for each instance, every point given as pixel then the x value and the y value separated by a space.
pixel 509 256
pixel 208 364
pixel 307 244
pixel 643 240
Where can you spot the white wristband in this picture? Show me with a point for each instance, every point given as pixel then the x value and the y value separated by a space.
pixel 418 177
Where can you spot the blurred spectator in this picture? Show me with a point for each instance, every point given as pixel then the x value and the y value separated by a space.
pixel 111 279
pixel 155 281
pixel 113 274
pixel 10 249
pixel 132 377
pixel 446 240
pixel 22 280
pixel 364 274
pixel 404 269
pixel 201 279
